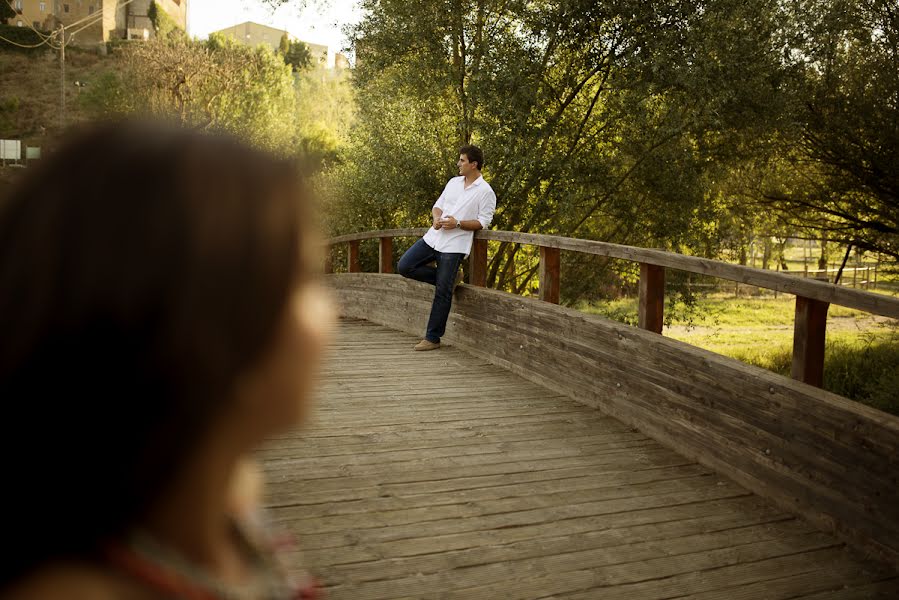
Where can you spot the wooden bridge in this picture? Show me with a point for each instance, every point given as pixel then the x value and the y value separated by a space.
pixel 552 454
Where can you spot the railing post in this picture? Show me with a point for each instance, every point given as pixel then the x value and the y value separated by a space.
pixel 550 261
pixel 385 255
pixel 808 341
pixel 329 260
pixel 477 263
pixel 353 264
pixel 652 297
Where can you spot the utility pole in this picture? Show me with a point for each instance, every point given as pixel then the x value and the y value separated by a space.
pixel 62 74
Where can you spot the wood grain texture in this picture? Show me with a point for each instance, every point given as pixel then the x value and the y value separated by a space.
pixel 550 271
pixel 816 454
pixel 385 255
pixel 477 262
pixel 407 484
pixel 651 307
pixel 809 332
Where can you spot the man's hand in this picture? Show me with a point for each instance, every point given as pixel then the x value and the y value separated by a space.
pixel 438 222
pixel 448 222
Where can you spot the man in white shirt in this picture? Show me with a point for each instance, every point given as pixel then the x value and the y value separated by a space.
pixel 465 206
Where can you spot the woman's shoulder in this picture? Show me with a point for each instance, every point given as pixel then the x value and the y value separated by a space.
pixel 74 581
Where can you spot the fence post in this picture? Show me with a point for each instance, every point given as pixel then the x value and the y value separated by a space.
pixel 652 297
pixel 809 331
pixel 385 255
pixel 550 262
pixel 329 260
pixel 353 264
pixel 477 263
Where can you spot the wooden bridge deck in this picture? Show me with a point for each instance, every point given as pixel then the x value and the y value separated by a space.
pixel 438 475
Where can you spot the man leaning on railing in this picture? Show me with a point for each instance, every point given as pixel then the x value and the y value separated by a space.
pixel 465 206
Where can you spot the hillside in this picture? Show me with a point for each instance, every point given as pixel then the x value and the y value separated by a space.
pixel 30 98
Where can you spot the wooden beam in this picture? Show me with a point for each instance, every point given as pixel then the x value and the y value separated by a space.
pixel 477 263
pixel 652 297
pixel 878 304
pixel 550 262
pixel 385 255
pixel 329 260
pixel 809 331
pixel 353 264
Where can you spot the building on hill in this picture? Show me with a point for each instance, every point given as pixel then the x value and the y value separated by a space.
pixel 341 61
pixel 253 34
pixel 96 21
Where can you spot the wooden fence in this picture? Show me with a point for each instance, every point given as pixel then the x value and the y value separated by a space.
pixel 813 297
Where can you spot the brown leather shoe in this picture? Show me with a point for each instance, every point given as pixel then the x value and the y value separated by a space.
pixel 425 345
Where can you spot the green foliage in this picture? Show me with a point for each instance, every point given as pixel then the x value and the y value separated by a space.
pixel 837 168
pixel 598 120
pixel 325 110
pixel 164 26
pixel 296 55
pixel 217 85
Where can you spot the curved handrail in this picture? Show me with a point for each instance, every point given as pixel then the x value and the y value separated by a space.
pixel 877 304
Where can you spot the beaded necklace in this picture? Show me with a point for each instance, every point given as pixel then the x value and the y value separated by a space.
pixel 171 574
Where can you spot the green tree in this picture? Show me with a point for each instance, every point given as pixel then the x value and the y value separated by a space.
pixel 600 120
pixel 298 56
pixel 837 169
pixel 213 85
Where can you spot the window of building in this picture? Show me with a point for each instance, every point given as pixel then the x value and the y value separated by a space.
pixel 90 9
pixel 36 24
pixel 19 5
pixel 65 8
pixel 19 24
pixel 43 6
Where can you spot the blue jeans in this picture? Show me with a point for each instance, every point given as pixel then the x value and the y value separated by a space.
pixel 414 265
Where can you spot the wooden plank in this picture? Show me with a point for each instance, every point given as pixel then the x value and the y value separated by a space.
pixel 809 330
pixel 510 510
pixel 368 235
pixel 550 267
pixel 353 264
pixel 828 458
pixel 385 255
pixel 478 263
pixel 652 298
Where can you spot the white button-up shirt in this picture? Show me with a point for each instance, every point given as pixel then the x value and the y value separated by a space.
pixel 477 201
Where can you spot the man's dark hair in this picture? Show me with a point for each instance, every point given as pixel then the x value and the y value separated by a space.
pixel 474 154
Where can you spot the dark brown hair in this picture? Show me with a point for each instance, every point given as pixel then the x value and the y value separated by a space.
pixel 142 269
pixel 474 154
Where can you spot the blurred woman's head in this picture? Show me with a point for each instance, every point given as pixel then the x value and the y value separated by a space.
pixel 155 287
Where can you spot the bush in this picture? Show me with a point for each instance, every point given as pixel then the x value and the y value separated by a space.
pixel 21 36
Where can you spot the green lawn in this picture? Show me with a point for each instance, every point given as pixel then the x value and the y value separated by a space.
pixel 862 355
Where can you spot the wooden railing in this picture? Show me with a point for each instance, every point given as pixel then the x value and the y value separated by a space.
pixel 813 298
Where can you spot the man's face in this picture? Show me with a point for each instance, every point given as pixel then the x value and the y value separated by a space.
pixel 465 167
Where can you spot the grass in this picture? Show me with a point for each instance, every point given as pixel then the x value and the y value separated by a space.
pixel 861 358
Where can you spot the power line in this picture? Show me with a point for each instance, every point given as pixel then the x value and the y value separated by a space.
pixel 42 35
pixel 49 40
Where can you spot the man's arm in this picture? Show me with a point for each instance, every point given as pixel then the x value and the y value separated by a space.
pixel 437 213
